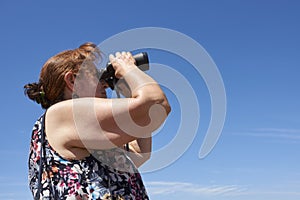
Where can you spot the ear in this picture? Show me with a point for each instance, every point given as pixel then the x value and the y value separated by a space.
pixel 70 80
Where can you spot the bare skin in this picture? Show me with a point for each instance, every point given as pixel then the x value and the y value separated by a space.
pixel 75 126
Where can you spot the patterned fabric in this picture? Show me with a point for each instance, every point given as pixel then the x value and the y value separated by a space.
pixel 105 174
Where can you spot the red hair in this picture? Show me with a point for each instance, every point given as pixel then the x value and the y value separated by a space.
pixel 50 88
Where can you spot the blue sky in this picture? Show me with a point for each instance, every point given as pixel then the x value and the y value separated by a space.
pixel 255 46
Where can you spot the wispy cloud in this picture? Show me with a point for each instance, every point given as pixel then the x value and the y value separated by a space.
pixel 275 133
pixel 160 189
pixel 165 188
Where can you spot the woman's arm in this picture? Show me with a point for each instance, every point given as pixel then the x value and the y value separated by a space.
pixel 96 123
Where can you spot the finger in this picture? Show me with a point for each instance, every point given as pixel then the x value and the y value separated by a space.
pixel 118 54
pixel 130 56
pixel 111 57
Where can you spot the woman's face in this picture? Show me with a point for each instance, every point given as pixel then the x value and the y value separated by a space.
pixel 87 84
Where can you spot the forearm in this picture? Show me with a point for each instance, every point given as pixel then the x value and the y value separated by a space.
pixel 146 94
pixel 142 84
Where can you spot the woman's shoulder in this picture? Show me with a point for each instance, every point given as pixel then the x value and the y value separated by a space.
pixel 59 112
pixel 60 106
pixel 70 105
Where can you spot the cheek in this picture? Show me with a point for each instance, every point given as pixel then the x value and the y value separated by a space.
pixel 77 86
pixel 91 88
pixel 81 87
pixel 87 87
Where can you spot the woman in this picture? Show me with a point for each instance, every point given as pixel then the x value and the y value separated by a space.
pixel 83 154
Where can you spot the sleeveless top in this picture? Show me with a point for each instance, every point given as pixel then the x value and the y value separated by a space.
pixel 105 174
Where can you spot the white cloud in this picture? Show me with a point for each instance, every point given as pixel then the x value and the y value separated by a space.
pixel 169 189
pixel 275 133
pixel 165 188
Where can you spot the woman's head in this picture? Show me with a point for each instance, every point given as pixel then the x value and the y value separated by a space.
pixel 56 74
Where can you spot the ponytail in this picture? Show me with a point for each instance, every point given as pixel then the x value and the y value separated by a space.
pixel 35 92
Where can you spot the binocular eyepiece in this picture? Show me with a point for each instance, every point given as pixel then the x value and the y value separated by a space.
pixel 108 74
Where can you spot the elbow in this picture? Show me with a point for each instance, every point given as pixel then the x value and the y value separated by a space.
pixel 165 104
pixel 167 108
pixel 158 114
pixel 152 113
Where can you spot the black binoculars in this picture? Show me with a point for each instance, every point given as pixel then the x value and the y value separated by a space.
pixel 108 74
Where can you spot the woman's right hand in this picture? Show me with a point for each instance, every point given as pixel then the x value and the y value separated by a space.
pixel 122 63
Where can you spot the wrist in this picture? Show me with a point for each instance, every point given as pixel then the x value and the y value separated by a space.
pixel 136 79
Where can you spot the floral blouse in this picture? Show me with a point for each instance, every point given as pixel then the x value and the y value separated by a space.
pixel 105 174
